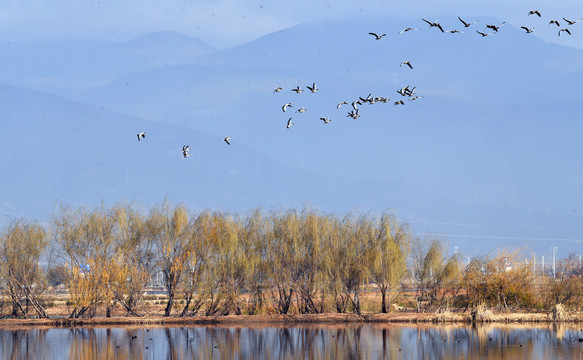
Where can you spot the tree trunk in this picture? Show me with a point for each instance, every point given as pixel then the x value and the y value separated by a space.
pixel 170 303
pixel 384 307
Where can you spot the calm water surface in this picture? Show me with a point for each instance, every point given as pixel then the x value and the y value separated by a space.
pixel 297 342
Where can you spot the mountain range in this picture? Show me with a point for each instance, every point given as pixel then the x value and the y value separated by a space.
pixel 490 151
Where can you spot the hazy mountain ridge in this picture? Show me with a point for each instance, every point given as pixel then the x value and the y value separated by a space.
pixel 64 66
pixel 493 140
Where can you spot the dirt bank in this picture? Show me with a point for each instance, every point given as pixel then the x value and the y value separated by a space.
pixel 255 320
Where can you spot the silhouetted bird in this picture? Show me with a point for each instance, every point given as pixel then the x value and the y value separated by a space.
pixel 466 24
pixel 278 89
pixel 534 12
pixel 377 37
pixel 289 123
pixel 141 135
pixel 407 29
pixel 406 62
pixel 227 140
pixel 565 30
pixel 185 151
pixel 284 107
pixel 494 27
pixel 434 24
pixel 528 31
pixel 297 90
pixel 484 34
pixel 556 22
pixel 571 22
pixel 313 88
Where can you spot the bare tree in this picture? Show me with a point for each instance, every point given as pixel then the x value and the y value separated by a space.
pixel 171 231
pixel 21 246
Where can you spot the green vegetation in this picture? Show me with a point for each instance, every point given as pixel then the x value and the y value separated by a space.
pixel 215 263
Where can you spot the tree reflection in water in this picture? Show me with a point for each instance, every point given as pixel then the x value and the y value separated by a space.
pixel 352 341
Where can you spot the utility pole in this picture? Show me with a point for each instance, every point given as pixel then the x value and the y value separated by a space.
pixel 534 266
pixel 579 260
pixel 543 256
pixel 554 250
pixel 469 257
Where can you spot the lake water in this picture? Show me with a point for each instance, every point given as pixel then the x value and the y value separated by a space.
pixel 369 341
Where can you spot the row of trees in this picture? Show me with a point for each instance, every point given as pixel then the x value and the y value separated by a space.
pixel 221 263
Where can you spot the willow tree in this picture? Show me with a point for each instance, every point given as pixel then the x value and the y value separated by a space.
pixel 231 265
pixel 193 281
pixel 389 251
pixel 347 259
pixel 135 259
pixel 88 244
pixel 171 232
pixel 307 263
pixel 21 246
pixel 432 271
pixel 280 253
pixel 255 234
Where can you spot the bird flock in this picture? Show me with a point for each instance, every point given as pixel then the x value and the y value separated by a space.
pixel 407 92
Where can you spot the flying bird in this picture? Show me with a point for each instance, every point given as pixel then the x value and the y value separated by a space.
pixel 227 140
pixel 484 34
pixel 556 22
pixel 466 24
pixel 302 109
pixel 141 135
pixel 571 22
pixel 353 114
pixel 367 99
pixel 454 31
pixel 415 97
pixel 534 12
pixel 494 27
pixel 284 107
pixel 340 104
pixel 354 104
pixel 289 123
pixel 325 120
pixel 407 29
pixel 400 102
pixel 313 88
pixel 377 37
pixel 406 91
pixel 406 62
pixel 434 24
pixel 297 90
pixel 185 151
pixel 528 31
pixel 565 30
pixel 277 89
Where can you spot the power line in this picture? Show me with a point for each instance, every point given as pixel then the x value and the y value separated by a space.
pixel 490 225
pixel 500 237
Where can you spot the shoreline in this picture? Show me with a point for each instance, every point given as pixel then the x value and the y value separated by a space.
pixel 295 319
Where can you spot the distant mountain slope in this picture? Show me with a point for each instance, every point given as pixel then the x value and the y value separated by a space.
pixel 494 138
pixel 57 150
pixel 64 66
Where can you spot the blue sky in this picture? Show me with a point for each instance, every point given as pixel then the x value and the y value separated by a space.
pixel 477 183
pixel 225 23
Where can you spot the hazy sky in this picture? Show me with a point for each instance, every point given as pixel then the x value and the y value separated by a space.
pixel 224 23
